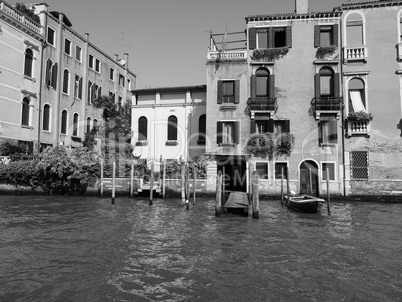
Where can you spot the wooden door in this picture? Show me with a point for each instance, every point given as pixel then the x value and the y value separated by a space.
pixel 309 185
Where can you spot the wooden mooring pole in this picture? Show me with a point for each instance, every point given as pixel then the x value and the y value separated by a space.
pixel 101 180
pixel 282 186
pixel 183 187
pixel 151 184
pixel 328 195
pixel 256 196
pixel 311 181
pixel 223 184
pixel 114 183
pixel 218 201
pixel 132 181
pixel 194 178
pixel 164 179
pixel 187 185
pixel 287 186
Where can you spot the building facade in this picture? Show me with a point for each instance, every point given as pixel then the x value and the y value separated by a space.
pixel 68 73
pixel 169 123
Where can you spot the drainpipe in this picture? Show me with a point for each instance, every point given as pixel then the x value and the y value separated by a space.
pixel 43 45
pixel 59 73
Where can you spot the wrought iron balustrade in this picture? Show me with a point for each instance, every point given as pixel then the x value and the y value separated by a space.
pixel 262 104
pixel 327 104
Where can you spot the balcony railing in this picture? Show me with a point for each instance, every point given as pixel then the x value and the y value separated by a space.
pixel 20 17
pixel 358 127
pixel 262 104
pixel 355 53
pixel 327 104
pixel 227 55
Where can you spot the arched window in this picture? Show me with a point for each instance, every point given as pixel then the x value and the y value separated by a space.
pixel 262 82
pixel 46 118
pixel 357 99
pixel 51 74
pixel 75 124
pixel 64 116
pixel 142 128
pixel 95 123
pixel 88 124
pixel 25 112
pixel 326 82
pixel 354 30
pixel 172 128
pixel 28 62
pixel 202 125
pixel 66 81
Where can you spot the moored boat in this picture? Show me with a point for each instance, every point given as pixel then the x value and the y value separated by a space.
pixel 304 203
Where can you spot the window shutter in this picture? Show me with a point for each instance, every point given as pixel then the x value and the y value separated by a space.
pixel 236 132
pixel 219 132
pixel 287 126
pixel 317 85
pixel 253 86
pixel 252 38
pixel 320 140
pixel 54 75
pixel 99 92
pixel 271 37
pixel 317 36
pixel 80 89
pixel 336 85
pixel 237 91
pixel 252 126
pixel 335 34
pixel 271 87
pixel 289 36
pixel 93 92
pixel 220 88
pixel 48 72
pixel 270 126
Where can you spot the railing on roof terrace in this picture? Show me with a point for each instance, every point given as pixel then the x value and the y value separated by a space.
pixel 214 55
pixel 12 12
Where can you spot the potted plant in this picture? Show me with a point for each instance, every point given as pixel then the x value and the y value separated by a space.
pixel 360 116
pixel 269 54
pixel 260 145
pixel 284 144
pixel 323 52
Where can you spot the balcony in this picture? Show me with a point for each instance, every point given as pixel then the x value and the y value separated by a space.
pixel 227 55
pixel 351 54
pixel 227 47
pixel 262 104
pixel 19 17
pixel 326 105
pixel 358 128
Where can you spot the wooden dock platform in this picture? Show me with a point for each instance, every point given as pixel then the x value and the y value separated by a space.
pixel 237 203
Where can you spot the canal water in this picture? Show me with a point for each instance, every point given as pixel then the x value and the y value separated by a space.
pixel 56 248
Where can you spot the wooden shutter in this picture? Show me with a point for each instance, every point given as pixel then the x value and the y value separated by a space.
pixel 48 72
pixel 287 126
pixel 252 38
pixel 271 37
pixel 289 36
pixel 80 89
pixel 253 86
pixel 317 85
pixel 54 75
pixel 252 126
pixel 320 139
pixel 336 85
pixel 271 87
pixel 270 126
pixel 219 132
pixel 236 133
pixel 317 36
pixel 99 92
pixel 237 91
pixel 219 94
pixel 335 35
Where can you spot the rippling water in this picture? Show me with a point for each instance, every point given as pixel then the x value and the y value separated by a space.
pixel 84 249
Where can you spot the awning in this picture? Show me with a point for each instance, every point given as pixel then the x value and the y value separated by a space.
pixel 357 102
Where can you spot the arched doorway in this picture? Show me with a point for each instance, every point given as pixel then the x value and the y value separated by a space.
pixel 309 185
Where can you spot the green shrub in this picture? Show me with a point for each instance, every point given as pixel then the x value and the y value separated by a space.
pixel 20 173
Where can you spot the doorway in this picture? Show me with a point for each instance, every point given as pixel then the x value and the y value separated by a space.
pixel 234 172
pixel 309 178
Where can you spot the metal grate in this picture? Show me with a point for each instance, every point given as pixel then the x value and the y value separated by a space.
pixel 262 170
pixel 359 165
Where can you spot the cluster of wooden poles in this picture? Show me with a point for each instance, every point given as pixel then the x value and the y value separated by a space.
pixel 185 182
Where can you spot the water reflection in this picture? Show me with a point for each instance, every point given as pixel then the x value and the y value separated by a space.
pixel 84 249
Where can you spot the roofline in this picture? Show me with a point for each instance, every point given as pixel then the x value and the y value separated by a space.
pixel 170 89
pixel 293 16
pixel 371 4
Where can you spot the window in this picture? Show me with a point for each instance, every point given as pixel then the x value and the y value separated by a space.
pixel 28 64
pixel 172 128
pixel 262 87
pixel 51 39
pixel 357 100
pixel 359 162
pixel 66 81
pixel 327 84
pixel 46 118
pixel 331 170
pixel 78 53
pixel 228 91
pixel 95 123
pixel 281 126
pixel 270 37
pixel 78 87
pixel 202 127
pixel 326 35
pixel 128 84
pixel 64 116
pixel 121 80
pixel 75 124
pixel 67 47
pixel 111 74
pixel 328 130
pixel 228 132
pixel 120 101
pixel 25 120
pixel 51 74
pixel 264 125
pixel 112 95
pixel 91 61
pixel 97 65
pixel 354 30
pixel 90 92
pixel 143 128
pixel 281 168
pixel 88 124
pixel 262 170
pixel 262 83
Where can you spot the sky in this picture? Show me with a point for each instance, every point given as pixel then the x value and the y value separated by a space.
pixel 167 40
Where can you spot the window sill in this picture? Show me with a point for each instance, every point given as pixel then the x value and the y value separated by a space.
pixel 76 139
pixel 172 143
pixel 227 107
pixel 142 143
pixel 29 78
pixel 201 142
pixel 46 131
pixel 325 145
pixel 27 127
pixel 227 145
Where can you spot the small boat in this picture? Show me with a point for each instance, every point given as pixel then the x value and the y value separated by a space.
pixel 304 203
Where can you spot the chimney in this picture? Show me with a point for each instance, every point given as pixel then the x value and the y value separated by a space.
pixel 116 57
pixel 126 59
pixel 301 6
